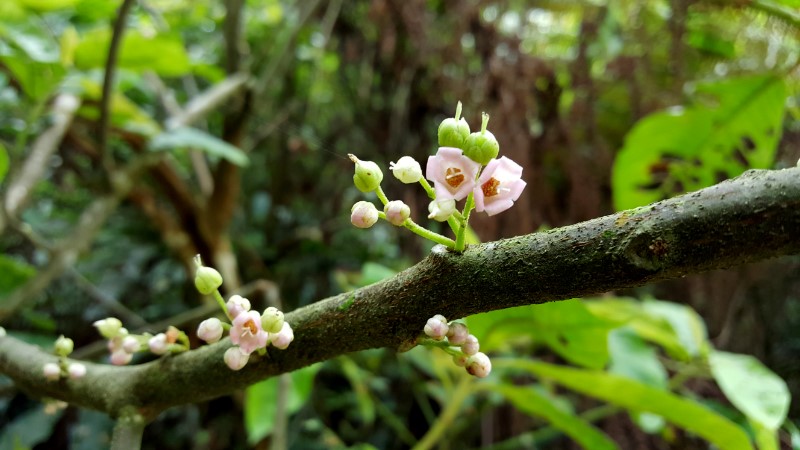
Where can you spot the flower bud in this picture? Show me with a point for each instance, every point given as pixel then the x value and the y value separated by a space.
pixel 441 210
pixel 481 146
pixel 51 371
pixel 454 130
pixel 237 305
pixel 479 365
pixel 158 344
pixel 282 339
pixel 436 327
pixel 64 346
pixel 457 334
pixel 396 212
pixel 235 358
pixel 207 280
pixel 407 170
pixel 121 357
pixel 368 175
pixel 130 344
pixel 2 332
pixel 210 330
pixel 460 360
pixel 272 320
pixel 109 328
pixel 363 214
pixel 76 370
pixel 470 345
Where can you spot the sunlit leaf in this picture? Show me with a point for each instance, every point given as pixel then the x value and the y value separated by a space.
pixel 3 162
pixel 261 398
pixel 636 396
pixel 125 114
pixel 192 138
pixel 534 404
pixel 687 324
pixel 47 5
pixel 754 389
pixel 162 54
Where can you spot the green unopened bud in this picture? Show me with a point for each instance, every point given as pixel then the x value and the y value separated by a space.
pixel 64 346
pixel 481 146
pixel 110 327
pixel 272 320
pixel 368 175
pixel 207 280
pixel 453 131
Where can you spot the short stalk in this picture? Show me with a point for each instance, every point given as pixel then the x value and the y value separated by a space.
pixel 382 195
pixel 428 188
pixel 221 303
pixel 426 233
pixel 462 232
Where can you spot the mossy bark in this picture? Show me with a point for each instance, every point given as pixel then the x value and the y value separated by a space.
pixel 751 218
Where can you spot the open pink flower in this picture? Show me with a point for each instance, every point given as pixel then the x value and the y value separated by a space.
pixel 247 332
pixel 499 186
pixel 452 173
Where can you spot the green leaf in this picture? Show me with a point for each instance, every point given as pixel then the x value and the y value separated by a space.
pixel 637 396
pixel 735 124
pixel 37 79
pixel 3 162
pixel 631 357
pixel 766 439
pixel 567 327
pixel 15 274
pixel 373 272
pixel 687 324
pixel 260 398
pixel 534 404
pixel 162 54
pixel 30 428
pixel 754 389
pixel 192 138
pixel 47 5
pixel 125 114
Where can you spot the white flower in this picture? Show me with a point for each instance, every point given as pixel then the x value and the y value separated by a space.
pixel 237 305
pixel 441 210
pixel 51 371
pixel 210 330
pixel 158 344
pixel 76 370
pixel 479 365
pixel 406 169
pixel 235 358
pixel 283 338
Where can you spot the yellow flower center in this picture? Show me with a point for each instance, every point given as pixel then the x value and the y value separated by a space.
pixel 490 188
pixel 454 177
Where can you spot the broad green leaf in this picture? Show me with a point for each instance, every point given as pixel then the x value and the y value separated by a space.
pixel 754 389
pixel 192 138
pixel 567 327
pixel 766 439
pixel 47 5
pixel 649 327
pixel 687 324
pixel 3 162
pixel 687 414
pixel 260 398
pixel 161 54
pixel 15 273
pixel 734 125
pixel 38 79
pixel 534 404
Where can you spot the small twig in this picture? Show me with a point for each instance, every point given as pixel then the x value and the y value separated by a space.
pixel 108 83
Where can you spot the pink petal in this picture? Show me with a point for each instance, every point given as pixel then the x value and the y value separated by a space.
pixel 498 206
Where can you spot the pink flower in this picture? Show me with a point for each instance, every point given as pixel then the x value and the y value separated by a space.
pixel 499 186
pixel 452 173
pixel 247 332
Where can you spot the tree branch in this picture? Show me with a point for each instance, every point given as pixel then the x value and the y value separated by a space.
pixel 753 217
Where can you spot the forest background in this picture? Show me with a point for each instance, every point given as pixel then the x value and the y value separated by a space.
pixel 221 128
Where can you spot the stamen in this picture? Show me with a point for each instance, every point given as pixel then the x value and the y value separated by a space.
pixel 250 326
pixel 490 188
pixel 453 177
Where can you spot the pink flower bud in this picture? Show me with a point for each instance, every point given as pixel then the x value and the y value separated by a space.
pixel 396 212
pixel 130 344
pixel 51 371
pixel 210 330
pixel 282 339
pixel 235 358
pixel 76 370
pixel 470 345
pixel 158 344
pixel 460 360
pixel 237 305
pixel 121 357
pixel 457 334
pixel 479 365
pixel 363 214
pixel 436 327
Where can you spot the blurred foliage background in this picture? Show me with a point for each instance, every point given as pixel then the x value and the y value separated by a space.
pixel 251 107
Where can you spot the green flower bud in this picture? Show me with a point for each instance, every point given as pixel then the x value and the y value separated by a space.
pixel 481 146
pixel 110 327
pixel 272 320
pixel 207 280
pixel 453 131
pixel 368 175
pixel 64 346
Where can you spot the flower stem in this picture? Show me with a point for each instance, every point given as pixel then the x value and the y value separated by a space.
pixel 221 303
pixel 462 232
pixel 381 195
pixel 428 234
pixel 445 420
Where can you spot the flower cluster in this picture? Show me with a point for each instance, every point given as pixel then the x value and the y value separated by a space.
pixel 122 345
pixel 249 330
pixel 63 368
pixel 465 167
pixel 455 339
